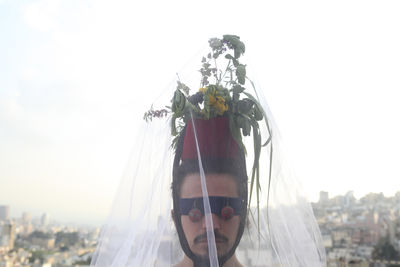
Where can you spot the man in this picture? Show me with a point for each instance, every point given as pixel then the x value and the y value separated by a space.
pixel 211 189
pixel 226 182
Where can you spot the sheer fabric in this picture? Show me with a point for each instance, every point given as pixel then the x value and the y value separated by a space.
pixel 140 230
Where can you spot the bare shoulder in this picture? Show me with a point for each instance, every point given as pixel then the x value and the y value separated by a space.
pixel 182 264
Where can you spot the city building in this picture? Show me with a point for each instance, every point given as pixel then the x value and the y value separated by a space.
pixel 44 220
pixel 323 197
pixel 4 213
pixel 7 235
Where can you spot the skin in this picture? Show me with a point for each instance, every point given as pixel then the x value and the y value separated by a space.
pixel 226 230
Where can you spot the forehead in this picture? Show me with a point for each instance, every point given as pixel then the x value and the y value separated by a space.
pixel 218 184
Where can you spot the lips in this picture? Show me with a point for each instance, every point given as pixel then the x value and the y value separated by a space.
pixel 205 240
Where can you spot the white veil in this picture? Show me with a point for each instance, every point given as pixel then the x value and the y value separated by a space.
pixel 279 230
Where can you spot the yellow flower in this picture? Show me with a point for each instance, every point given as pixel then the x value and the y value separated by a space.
pixel 215 101
pixel 218 103
pixel 220 99
pixel 212 100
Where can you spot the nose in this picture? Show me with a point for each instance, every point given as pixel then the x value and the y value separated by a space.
pixel 215 220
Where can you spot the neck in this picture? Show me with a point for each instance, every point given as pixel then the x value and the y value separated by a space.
pixel 232 262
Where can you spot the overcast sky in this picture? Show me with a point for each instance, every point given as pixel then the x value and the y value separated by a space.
pixel 76 77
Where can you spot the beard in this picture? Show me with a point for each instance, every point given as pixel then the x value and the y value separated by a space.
pixel 200 245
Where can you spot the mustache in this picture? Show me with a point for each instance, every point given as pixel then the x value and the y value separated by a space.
pixel 217 235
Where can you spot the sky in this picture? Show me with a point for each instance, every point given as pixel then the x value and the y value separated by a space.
pixel 76 77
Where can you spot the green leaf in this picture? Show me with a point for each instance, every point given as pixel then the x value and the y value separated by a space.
pixel 246 127
pixel 235 130
pixel 240 121
pixel 178 103
pixel 230 38
pixel 237 88
pixel 255 174
pixel 263 112
pixel 241 73
pixel 257 113
pixel 245 106
pixel 258 197
pixel 215 43
pixel 183 87
pixel 229 56
pixel 235 62
pixel 206 65
pixel 237 45
pixel 174 101
pixel 236 52
pixel 190 107
pixel 269 185
pixel 173 126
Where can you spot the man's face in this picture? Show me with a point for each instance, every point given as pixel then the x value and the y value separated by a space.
pixel 222 185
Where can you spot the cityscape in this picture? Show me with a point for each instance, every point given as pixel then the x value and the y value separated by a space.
pixel 41 242
pixel 356 232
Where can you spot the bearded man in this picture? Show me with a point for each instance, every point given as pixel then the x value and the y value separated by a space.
pixel 223 164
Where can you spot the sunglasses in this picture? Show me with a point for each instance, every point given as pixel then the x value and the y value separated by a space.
pixel 226 207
